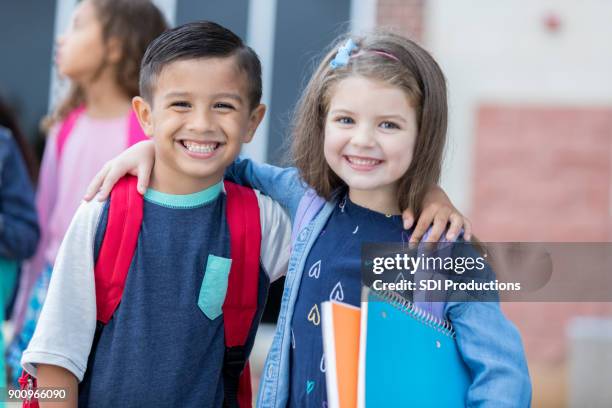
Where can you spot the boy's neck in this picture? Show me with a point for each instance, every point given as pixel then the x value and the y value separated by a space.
pixel 383 200
pixel 170 181
pixel 104 98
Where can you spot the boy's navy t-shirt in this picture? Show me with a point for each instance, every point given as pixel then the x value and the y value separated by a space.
pixel 164 345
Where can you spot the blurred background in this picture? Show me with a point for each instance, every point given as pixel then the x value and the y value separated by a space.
pixel 530 130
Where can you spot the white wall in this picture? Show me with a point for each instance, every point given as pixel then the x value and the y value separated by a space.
pixel 363 15
pixel 261 31
pixel 501 52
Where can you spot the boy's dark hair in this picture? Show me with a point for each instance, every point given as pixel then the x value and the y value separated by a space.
pixel 200 39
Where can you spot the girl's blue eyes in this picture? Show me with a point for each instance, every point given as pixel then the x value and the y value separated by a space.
pixel 389 125
pixel 345 120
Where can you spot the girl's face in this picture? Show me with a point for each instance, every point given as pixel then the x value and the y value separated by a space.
pixel 81 50
pixel 370 132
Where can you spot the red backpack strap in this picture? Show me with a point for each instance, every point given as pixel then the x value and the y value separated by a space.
pixel 65 130
pixel 240 305
pixel 135 132
pixel 118 246
pixel 28 383
pixel 114 259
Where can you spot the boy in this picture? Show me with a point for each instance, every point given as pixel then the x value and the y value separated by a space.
pixel 164 345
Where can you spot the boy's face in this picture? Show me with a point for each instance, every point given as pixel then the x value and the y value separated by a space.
pixel 199 117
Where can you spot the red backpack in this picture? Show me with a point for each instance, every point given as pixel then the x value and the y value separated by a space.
pixel 240 305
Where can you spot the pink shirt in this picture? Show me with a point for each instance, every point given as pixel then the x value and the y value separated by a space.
pixel 90 145
pixel 61 186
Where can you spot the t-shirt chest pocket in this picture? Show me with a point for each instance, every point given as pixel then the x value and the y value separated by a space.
pixel 214 286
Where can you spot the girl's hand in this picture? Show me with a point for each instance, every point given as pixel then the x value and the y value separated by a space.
pixel 437 209
pixel 137 160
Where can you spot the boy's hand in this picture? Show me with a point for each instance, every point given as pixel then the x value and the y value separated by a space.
pixel 437 209
pixel 137 160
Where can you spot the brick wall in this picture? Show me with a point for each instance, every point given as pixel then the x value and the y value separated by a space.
pixel 544 174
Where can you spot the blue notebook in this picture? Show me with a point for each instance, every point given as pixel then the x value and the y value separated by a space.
pixel 408 358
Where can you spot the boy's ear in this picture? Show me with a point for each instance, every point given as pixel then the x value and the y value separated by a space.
pixel 143 113
pixel 255 119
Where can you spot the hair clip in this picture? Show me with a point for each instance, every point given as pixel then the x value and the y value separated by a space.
pixel 343 55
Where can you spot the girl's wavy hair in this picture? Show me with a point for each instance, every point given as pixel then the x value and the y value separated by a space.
pixel 135 23
pixel 415 72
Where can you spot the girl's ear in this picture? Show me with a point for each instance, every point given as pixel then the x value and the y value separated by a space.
pixel 114 52
pixel 255 119
pixel 143 112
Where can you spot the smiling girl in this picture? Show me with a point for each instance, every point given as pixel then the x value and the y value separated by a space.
pixel 369 138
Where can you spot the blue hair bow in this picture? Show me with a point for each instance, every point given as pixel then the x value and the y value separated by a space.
pixel 343 55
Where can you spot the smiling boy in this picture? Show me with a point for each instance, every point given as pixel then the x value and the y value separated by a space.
pixel 164 345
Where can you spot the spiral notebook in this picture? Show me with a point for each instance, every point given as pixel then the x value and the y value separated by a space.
pixel 407 356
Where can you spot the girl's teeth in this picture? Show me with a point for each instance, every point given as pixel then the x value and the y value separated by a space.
pixel 363 162
pixel 200 147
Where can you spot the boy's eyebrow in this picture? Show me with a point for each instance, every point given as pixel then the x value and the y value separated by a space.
pixel 176 95
pixel 229 95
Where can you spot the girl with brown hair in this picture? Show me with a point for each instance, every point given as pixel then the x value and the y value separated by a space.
pixel 100 54
pixel 368 139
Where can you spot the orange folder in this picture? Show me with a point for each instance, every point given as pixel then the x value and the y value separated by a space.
pixel 341 328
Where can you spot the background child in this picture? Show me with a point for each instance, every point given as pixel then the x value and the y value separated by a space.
pixel 369 133
pixel 165 344
pixel 18 224
pixel 100 54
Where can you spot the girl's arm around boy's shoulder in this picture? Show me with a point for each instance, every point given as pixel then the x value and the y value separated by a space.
pixel 491 347
pixel 65 331
pixel 281 184
pixel 275 236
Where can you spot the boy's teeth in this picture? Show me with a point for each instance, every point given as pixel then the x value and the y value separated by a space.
pixel 363 162
pixel 200 147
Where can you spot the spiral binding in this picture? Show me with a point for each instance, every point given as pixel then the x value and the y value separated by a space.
pixel 395 299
